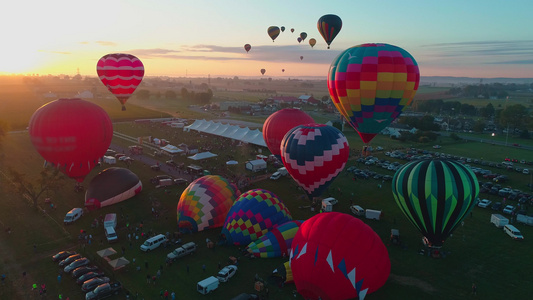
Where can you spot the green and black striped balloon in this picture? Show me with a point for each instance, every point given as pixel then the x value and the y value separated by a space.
pixel 435 195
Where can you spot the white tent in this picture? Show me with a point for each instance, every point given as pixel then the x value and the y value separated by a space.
pixel 195 125
pixel 203 155
pixel 229 131
pixel 171 149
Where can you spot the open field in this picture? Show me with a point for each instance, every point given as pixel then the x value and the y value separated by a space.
pixel 477 252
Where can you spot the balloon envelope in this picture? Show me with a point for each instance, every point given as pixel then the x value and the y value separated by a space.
pixel 121 74
pixel 263 71
pixel 299 39
pixel 73 134
pixel 247 47
pixel 337 256
pixel 273 32
pixel 303 35
pixel 282 28
pixel 275 243
pixel 329 26
pixel 371 84
pixel 292 30
pixel 252 215
pixel 205 203
pixel 112 185
pixel 314 154
pixel 301 57
pixel 435 195
pixel 312 42
pixel 279 123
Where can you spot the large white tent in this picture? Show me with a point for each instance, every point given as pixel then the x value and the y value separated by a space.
pixel 203 155
pixel 237 133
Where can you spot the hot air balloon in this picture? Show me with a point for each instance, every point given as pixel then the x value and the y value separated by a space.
pixel 279 123
pixel 329 26
pixel 282 70
pixel 292 30
pixel 299 39
pixel 314 154
pixel 121 74
pixel 435 195
pixel 282 28
pixel 253 214
pixel 337 256
pixel 263 71
pixel 312 42
pixel 275 243
pixel 301 57
pixel 247 47
pixel 371 84
pixel 72 134
pixel 303 35
pixel 205 203
pixel 273 32
pixel 112 185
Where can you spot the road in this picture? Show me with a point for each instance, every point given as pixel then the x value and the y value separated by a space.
pixel 488 141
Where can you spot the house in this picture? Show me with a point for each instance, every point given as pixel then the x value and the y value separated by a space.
pixel 278 100
pixel 306 99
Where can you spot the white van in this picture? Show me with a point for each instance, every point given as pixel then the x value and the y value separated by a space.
pixel 513 232
pixel 73 215
pixel 207 285
pixel 110 234
pixel 153 242
pixel 357 210
pixel 110 220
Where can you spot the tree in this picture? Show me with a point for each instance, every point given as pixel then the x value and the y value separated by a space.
pixel 184 93
pixel 170 95
pixel 479 126
pixel 487 111
pixel 50 180
pixel 143 94
pixel 515 116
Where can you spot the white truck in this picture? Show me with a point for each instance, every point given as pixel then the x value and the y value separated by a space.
pixel 327 204
pixel 520 218
pixel 207 285
pixel 373 214
pixel 499 220
pixel 187 248
pixel 110 226
pixel 280 172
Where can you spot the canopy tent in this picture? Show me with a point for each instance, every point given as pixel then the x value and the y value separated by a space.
pixel 230 131
pixel 119 263
pixel 232 162
pixel 171 149
pixel 106 252
pixel 203 155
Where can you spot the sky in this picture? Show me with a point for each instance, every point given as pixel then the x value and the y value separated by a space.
pixel 200 38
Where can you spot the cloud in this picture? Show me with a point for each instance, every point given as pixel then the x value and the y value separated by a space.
pixel 484 52
pixel 55 52
pixel 106 43
pixel 281 53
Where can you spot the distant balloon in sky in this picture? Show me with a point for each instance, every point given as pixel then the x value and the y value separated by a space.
pixel 312 42
pixel 303 35
pixel 121 74
pixel 282 28
pixel 329 26
pixel 301 57
pixel 72 134
pixel 247 47
pixel 299 39
pixel 292 30
pixel 371 84
pixel 263 71
pixel 273 32
pixel 282 70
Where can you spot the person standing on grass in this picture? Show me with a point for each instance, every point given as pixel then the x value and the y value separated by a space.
pixel 474 289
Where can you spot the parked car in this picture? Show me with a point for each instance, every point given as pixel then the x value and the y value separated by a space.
pixel 508 209
pixel 186 249
pixel 103 291
pixel 65 262
pixel 180 181
pixel 331 200
pixel 62 255
pixel 387 177
pixel 156 179
pixel 496 206
pixel 484 203
pixel 226 273
pixel 88 276
pixel 93 283
pixel 83 270
pixel 76 264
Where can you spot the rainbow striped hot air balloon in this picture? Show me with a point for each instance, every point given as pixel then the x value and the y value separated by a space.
pixel 435 195
pixel 205 203
pixel 371 84
pixel 252 215
pixel 121 74
pixel 277 242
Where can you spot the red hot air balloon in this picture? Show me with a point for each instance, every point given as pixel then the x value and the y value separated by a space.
pixel 121 74
pixel 279 123
pixel 247 47
pixel 263 71
pixel 292 30
pixel 337 256
pixel 73 134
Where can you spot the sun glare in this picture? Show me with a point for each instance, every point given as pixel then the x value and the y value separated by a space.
pixel 14 60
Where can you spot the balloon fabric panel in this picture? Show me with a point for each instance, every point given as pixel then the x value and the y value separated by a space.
pixel 276 242
pixel 372 85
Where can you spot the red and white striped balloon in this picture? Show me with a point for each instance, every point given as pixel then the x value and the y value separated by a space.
pixel 121 74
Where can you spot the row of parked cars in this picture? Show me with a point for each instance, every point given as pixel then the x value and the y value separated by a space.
pixel 93 281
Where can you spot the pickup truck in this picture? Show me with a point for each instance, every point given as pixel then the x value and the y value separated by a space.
pixel 103 291
pixel 187 248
